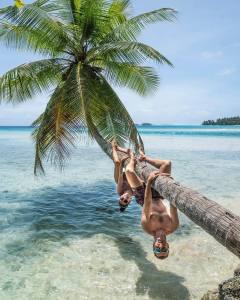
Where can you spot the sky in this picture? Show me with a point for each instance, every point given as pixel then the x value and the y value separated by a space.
pixel 203 44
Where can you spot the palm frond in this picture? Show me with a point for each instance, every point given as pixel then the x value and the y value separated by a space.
pixel 129 30
pixel 92 21
pixel 33 27
pixel 140 79
pixel 60 124
pixel 65 9
pixel 109 114
pixel 134 52
pixel 28 80
pixel 117 12
pixel 7 10
pixel 20 38
pixel 104 145
pixel 105 18
pixel 54 137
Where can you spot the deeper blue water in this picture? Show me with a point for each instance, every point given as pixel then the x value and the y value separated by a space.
pixel 183 130
pixel 191 130
pixel 62 236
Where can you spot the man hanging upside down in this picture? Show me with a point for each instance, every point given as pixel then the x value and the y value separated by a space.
pixel 157 220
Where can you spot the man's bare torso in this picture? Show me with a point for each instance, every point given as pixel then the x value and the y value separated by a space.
pixel 160 211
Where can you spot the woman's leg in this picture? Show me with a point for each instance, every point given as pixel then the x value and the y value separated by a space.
pixel 132 178
pixel 165 166
pixel 117 162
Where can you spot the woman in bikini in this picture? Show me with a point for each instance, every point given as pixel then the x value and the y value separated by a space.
pixel 123 188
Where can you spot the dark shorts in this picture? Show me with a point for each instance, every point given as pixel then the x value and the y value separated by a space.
pixel 139 194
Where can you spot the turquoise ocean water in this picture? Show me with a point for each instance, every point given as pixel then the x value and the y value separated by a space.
pixel 62 236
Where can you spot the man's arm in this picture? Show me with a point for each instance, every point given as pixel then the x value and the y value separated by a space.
pixel 147 201
pixel 148 195
pixel 174 217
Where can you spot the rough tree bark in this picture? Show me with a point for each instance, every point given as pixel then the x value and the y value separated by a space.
pixel 219 222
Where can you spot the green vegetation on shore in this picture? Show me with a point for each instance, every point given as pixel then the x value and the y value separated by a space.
pixel 146 124
pixel 223 121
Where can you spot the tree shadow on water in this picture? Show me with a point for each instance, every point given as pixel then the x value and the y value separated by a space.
pixel 57 214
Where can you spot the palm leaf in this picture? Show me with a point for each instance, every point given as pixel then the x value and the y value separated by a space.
pixel 28 80
pixel 129 30
pixel 62 121
pixel 54 137
pixel 127 52
pixel 33 28
pixel 117 12
pixel 109 114
pixel 142 80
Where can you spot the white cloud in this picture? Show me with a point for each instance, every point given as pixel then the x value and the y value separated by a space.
pixel 211 55
pixel 226 72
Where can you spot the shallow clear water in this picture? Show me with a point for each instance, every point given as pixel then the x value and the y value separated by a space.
pixel 62 237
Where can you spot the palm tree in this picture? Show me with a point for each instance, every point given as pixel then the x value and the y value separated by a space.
pixel 87 46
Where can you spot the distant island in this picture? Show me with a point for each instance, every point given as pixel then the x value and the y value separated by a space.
pixel 223 121
pixel 146 124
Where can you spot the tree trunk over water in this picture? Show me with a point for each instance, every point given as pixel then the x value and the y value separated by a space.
pixel 219 222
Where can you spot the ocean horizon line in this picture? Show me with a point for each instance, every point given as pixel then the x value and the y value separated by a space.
pixel 140 125
pixel 137 124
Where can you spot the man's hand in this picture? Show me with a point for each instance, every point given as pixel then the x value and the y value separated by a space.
pixel 153 175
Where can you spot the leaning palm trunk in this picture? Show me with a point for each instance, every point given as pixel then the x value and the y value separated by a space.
pixel 219 222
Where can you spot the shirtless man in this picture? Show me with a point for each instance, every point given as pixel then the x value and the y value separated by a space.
pixel 156 219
